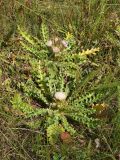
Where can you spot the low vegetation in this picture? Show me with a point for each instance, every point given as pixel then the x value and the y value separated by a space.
pixel 59 80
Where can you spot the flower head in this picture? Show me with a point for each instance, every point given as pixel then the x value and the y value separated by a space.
pixel 65 44
pixel 61 96
pixel 49 43
pixel 56 49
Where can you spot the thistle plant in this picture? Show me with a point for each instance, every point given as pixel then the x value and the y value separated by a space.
pixel 56 74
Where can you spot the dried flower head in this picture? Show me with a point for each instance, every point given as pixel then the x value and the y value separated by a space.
pixel 61 96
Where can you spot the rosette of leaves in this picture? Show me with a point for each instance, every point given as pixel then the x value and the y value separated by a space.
pixel 51 74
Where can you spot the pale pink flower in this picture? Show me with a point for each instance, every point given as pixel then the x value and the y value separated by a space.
pixel 56 49
pixel 65 43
